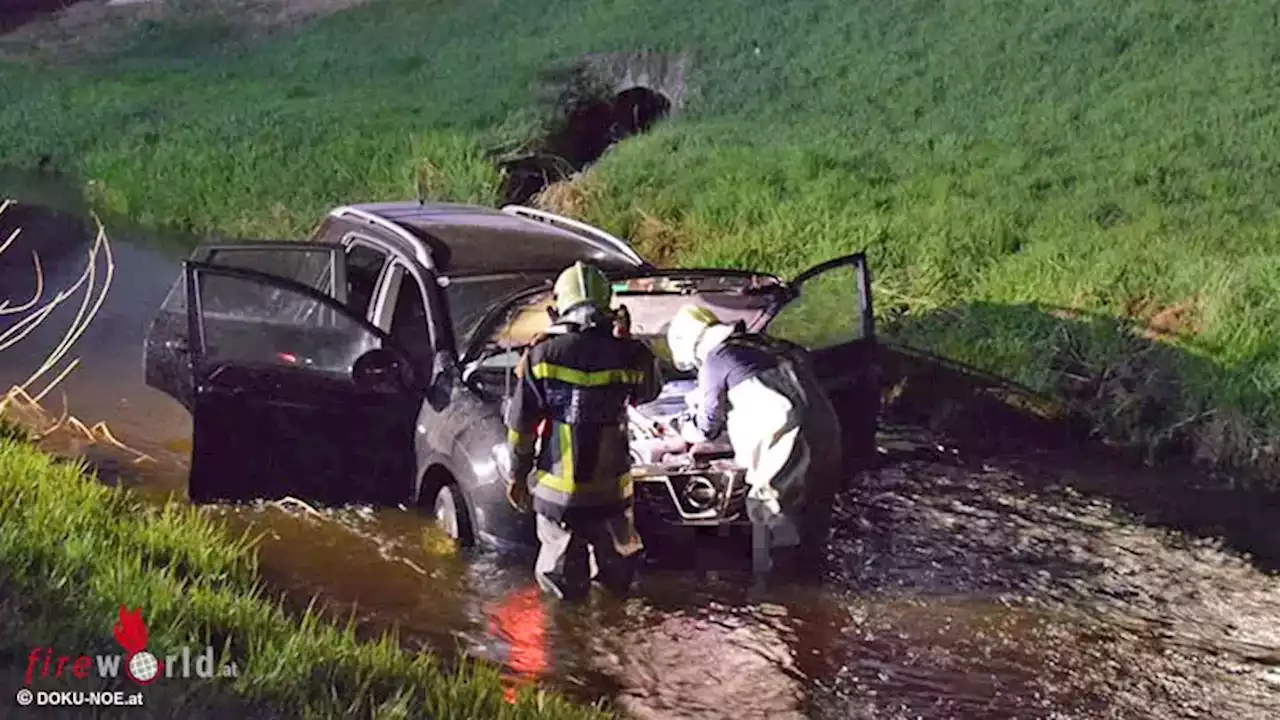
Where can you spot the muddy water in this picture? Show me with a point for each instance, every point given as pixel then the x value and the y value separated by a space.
pixel 954 586
pixel 107 384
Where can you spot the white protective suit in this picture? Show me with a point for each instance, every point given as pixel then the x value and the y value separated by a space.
pixel 772 418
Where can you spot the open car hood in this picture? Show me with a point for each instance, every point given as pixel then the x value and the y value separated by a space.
pixel 652 299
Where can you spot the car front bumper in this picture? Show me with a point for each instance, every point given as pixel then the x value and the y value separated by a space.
pixel 711 495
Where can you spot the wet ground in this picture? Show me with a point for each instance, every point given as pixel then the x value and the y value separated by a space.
pixel 955 586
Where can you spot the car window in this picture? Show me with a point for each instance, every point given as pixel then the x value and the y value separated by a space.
pixel 243 324
pixel 176 300
pixel 409 324
pixel 232 298
pixel 470 298
pixel 825 314
pixel 311 267
pixel 364 265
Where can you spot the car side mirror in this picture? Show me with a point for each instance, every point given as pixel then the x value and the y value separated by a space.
pixel 382 371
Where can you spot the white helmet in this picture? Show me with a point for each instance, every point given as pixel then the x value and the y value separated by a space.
pixel 684 332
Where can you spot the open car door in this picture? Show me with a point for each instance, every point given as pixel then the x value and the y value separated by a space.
pixel 829 313
pixel 166 351
pixel 293 394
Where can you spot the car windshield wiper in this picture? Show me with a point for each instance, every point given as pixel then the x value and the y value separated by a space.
pixel 489 351
pixel 493 350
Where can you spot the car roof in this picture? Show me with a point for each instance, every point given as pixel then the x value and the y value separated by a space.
pixel 473 239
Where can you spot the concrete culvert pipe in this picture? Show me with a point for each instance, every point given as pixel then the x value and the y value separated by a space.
pixel 592 128
pixel 636 109
pixel 588 131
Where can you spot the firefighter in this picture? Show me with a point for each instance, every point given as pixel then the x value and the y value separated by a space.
pixel 574 386
pixel 783 429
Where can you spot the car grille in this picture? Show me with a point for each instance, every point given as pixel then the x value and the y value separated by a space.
pixel 666 498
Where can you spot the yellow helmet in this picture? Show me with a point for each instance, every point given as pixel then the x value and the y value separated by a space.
pixel 582 283
pixel 684 332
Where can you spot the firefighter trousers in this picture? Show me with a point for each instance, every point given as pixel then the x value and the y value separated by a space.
pixel 574 553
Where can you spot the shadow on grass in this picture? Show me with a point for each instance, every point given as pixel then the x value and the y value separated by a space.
pixel 1117 407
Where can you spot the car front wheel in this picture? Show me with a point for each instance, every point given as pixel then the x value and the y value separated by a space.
pixel 449 512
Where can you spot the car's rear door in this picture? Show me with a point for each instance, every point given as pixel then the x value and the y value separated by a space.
pixel 166 359
pixel 829 313
pixel 276 411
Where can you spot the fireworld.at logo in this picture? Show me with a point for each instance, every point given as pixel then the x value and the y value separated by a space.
pixel 140 664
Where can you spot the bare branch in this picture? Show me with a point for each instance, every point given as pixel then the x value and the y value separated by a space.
pixel 20 395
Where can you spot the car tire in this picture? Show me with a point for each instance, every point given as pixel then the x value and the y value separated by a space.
pixel 449 512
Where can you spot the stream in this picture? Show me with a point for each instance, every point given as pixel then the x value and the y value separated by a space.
pixel 957 584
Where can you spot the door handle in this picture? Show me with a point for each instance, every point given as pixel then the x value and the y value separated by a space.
pixel 180 346
pixel 224 390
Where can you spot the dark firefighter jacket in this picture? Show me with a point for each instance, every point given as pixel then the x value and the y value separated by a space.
pixel 573 390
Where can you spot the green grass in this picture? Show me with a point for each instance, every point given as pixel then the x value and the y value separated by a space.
pixel 825 314
pixel 73 550
pixel 998 159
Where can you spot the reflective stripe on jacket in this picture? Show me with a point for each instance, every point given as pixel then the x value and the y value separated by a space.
pixel 579 381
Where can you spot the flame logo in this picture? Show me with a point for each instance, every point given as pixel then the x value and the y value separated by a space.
pixel 131 632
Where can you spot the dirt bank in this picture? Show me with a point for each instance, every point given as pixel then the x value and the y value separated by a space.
pixel 19 12
pixel 66 30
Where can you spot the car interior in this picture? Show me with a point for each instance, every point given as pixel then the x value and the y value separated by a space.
pixel 409 324
pixel 650 313
pixel 364 265
pixel 650 306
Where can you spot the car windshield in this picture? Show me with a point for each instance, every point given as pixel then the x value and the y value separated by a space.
pixel 470 298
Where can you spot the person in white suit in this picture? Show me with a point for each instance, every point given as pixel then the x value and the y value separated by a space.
pixel 781 425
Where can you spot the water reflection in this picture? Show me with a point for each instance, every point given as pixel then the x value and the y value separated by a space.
pixel 519 623
pixel 107 385
pixel 706 644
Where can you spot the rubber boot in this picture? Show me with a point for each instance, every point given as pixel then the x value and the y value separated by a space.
pixel 761 555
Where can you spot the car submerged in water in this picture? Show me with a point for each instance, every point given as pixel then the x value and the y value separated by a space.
pixel 370 364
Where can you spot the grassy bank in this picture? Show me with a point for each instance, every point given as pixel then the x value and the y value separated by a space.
pixel 72 551
pixel 1078 195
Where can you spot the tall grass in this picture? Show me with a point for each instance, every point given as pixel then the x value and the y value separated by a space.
pixel 998 160
pixel 73 550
